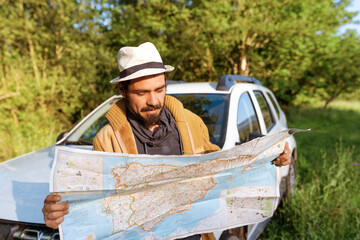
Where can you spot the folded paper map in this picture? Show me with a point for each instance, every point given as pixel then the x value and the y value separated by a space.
pixel 125 196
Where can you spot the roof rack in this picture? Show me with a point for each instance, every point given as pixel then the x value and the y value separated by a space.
pixel 227 81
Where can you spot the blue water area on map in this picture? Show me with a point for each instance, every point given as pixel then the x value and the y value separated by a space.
pixel 86 217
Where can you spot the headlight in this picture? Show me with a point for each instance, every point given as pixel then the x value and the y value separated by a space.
pixel 10 230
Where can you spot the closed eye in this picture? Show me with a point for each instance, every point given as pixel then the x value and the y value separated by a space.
pixel 160 90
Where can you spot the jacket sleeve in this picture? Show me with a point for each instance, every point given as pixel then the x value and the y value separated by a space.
pixel 105 140
pixel 97 145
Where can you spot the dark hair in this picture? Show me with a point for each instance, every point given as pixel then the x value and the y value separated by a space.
pixel 124 85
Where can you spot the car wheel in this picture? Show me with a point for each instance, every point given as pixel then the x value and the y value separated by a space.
pixel 290 179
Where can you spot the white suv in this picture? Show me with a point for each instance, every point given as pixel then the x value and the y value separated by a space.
pixel 235 110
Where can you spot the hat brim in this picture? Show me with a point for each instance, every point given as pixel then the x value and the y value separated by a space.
pixel 142 73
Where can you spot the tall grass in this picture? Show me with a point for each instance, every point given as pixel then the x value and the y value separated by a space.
pixel 326 202
pixel 324 208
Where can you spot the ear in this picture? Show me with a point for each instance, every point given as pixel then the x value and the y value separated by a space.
pixel 121 90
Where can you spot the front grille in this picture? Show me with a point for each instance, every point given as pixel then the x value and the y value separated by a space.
pixel 10 230
pixel 36 234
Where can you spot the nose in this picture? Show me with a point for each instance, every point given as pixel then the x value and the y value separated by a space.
pixel 152 99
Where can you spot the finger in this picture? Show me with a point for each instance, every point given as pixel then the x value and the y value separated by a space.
pixel 56 215
pixel 284 160
pixel 278 164
pixel 52 198
pixel 52 207
pixel 54 223
pixel 287 148
pixel 60 220
pixel 279 161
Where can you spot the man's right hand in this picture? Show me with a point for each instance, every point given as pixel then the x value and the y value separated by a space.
pixel 53 211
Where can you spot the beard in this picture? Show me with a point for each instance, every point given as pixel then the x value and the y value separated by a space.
pixel 147 120
pixel 150 119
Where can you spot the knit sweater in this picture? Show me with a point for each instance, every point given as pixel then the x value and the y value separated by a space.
pixel 117 136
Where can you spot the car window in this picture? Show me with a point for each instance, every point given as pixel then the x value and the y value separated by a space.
pixel 247 121
pixel 273 101
pixel 213 109
pixel 90 133
pixel 265 110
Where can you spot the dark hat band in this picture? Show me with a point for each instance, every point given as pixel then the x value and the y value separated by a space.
pixel 133 69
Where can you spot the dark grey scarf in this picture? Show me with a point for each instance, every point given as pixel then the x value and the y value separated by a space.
pixel 165 140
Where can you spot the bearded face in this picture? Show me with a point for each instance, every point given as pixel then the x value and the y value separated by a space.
pixel 145 98
pixel 149 115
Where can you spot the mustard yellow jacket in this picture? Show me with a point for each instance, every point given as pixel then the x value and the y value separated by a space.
pixel 118 136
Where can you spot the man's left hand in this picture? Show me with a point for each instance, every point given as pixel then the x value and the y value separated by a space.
pixel 284 158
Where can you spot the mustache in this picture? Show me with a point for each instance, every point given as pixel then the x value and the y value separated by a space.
pixel 151 108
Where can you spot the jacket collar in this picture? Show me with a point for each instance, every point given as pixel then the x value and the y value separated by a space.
pixel 117 118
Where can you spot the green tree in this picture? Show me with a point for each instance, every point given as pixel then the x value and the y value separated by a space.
pixel 51 61
pixel 57 57
pixel 335 67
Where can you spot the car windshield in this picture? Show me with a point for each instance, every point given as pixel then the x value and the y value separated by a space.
pixel 212 108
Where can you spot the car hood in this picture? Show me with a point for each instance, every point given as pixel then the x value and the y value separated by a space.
pixel 24 184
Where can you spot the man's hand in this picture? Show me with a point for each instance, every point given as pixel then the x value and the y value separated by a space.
pixel 284 158
pixel 53 211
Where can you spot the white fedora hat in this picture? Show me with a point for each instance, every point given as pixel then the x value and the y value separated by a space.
pixel 135 62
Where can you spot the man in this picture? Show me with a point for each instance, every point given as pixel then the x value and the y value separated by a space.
pixel 145 121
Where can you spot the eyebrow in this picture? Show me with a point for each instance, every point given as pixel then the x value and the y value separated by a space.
pixel 143 90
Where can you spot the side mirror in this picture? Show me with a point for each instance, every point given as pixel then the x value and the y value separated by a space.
pixel 61 135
